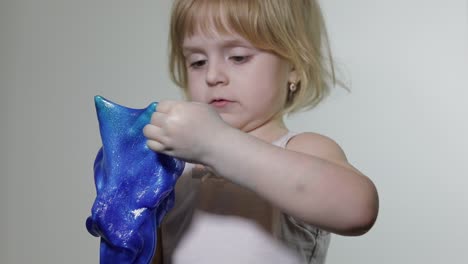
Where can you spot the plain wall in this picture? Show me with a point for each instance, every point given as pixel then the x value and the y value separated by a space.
pixel 404 123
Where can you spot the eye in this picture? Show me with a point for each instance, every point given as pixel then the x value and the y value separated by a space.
pixel 197 64
pixel 240 59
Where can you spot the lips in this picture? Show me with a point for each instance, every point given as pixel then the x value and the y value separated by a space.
pixel 220 102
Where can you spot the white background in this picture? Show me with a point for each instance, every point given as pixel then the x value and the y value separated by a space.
pixel 404 123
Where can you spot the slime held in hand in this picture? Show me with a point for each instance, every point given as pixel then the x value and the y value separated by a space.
pixel 134 185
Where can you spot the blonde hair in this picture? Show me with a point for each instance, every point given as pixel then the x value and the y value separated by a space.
pixel 292 29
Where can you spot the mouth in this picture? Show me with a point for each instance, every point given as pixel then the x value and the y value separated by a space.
pixel 220 102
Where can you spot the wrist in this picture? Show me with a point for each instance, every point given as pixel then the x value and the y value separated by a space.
pixel 220 143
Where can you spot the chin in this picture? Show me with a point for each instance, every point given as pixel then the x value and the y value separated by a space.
pixel 231 121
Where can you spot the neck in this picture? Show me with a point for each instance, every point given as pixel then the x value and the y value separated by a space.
pixel 270 131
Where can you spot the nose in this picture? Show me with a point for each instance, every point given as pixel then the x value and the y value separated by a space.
pixel 216 73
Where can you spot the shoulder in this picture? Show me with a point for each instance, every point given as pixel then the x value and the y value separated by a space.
pixel 317 145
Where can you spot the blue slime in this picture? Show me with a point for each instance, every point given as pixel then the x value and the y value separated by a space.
pixel 134 185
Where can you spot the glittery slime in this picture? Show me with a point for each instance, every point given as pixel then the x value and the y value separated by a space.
pixel 134 185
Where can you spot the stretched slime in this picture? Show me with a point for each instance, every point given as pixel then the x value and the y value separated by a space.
pixel 134 185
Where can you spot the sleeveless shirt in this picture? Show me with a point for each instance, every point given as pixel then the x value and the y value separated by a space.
pixel 216 221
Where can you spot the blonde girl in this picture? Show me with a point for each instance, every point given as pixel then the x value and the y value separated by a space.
pixel 253 191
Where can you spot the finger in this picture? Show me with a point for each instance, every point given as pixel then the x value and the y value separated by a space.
pixel 165 106
pixel 158 119
pixel 152 132
pixel 155 145
pixel 199 167
pixel 204 168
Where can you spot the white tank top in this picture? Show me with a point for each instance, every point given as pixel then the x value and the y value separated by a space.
pixel 216 221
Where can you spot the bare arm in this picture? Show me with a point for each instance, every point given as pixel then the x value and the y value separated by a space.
pixel 311 180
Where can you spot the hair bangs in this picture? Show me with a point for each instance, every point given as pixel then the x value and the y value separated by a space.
pixel 212 17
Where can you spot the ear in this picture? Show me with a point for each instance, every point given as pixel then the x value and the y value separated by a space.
pixel 293 75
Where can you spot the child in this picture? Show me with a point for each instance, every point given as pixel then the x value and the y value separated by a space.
pixel 253 192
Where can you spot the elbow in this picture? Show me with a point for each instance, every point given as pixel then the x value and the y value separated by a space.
pixel 362 224
pixel 364 214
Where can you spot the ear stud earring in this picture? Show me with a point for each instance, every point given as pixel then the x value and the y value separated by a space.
pixel 292 87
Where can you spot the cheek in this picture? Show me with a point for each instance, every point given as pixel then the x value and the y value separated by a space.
pixel 264 97
pixel 272 88
pixel 194 91
pixel 194 95
pixel 271 78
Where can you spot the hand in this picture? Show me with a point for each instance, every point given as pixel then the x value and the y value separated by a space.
pixel 186 130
